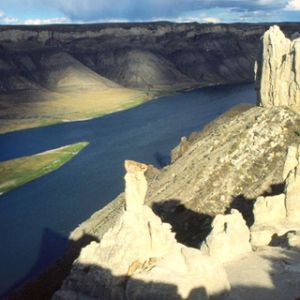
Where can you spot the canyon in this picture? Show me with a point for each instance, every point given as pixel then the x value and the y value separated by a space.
pixel 50 74
pixel 147 55
pixel 239 179
pixel 212 210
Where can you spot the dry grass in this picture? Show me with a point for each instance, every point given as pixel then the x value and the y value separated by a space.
pixel 40 108
pixel 16 172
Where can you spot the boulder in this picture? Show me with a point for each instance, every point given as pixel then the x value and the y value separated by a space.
pixel 269 210
pixel 261 236
pixel 278 70
pixel 229 238
pixel 277 216
pixel 138 236
pixel 293 238
pixel 269 219
pixel 183 147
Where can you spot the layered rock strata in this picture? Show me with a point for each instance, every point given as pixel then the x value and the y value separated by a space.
pixel 278 70
pixel 149 55
pixel 229 164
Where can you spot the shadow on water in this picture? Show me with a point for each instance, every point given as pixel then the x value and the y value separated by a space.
pixel 161 159
pixel 49 280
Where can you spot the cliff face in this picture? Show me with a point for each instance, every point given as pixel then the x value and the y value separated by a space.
pixel 278 70
pixel 154 55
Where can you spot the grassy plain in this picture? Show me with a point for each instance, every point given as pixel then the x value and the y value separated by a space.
pixel 30 109
pixel 16 172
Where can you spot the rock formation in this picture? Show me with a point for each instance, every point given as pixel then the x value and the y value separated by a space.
pixel 139 258
pixel 269 210
pixel 230 163
pixel 278 70
pixel 221 165
pixel 147 55
pixel 292 201
pixel 279 214
pixel 136 185
pixel 229 239
pixel 291 161
pixel 181 149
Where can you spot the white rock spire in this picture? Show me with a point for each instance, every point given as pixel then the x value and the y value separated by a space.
pixel 278 70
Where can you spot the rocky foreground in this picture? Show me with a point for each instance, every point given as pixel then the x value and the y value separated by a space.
pixel 231 195
pixel 139 257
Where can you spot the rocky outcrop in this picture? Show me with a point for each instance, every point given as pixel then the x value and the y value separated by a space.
pixel 292 193
pixel 180 149
pixel 291 161
pixel 139 258
pixel 229 239
pixel 269 210
pixel 278 215
pixel 278 70
pixel 218 171
pixel 221 165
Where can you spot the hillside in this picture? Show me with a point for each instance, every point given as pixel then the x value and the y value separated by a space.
pixel 57 73
pixel 146 55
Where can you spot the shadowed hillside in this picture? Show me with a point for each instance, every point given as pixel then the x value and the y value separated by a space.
pixel 145 55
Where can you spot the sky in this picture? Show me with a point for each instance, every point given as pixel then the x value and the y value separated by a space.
pixel 38 12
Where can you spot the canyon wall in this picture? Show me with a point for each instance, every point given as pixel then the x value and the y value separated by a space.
pixel 150 55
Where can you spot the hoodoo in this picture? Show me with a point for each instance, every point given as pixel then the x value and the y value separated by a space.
pixel 278 70
pixel 139 258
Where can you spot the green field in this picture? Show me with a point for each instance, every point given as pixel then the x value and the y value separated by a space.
pixel 16 172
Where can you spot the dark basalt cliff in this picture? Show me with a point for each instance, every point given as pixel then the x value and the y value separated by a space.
pixel 149 55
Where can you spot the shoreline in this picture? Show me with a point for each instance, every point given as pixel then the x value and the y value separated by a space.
pixel 155 95
pixel 22 170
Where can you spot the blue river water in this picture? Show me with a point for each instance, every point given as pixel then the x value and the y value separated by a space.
pixel 33 216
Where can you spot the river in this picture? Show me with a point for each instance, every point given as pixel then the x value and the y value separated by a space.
pixel 36 218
